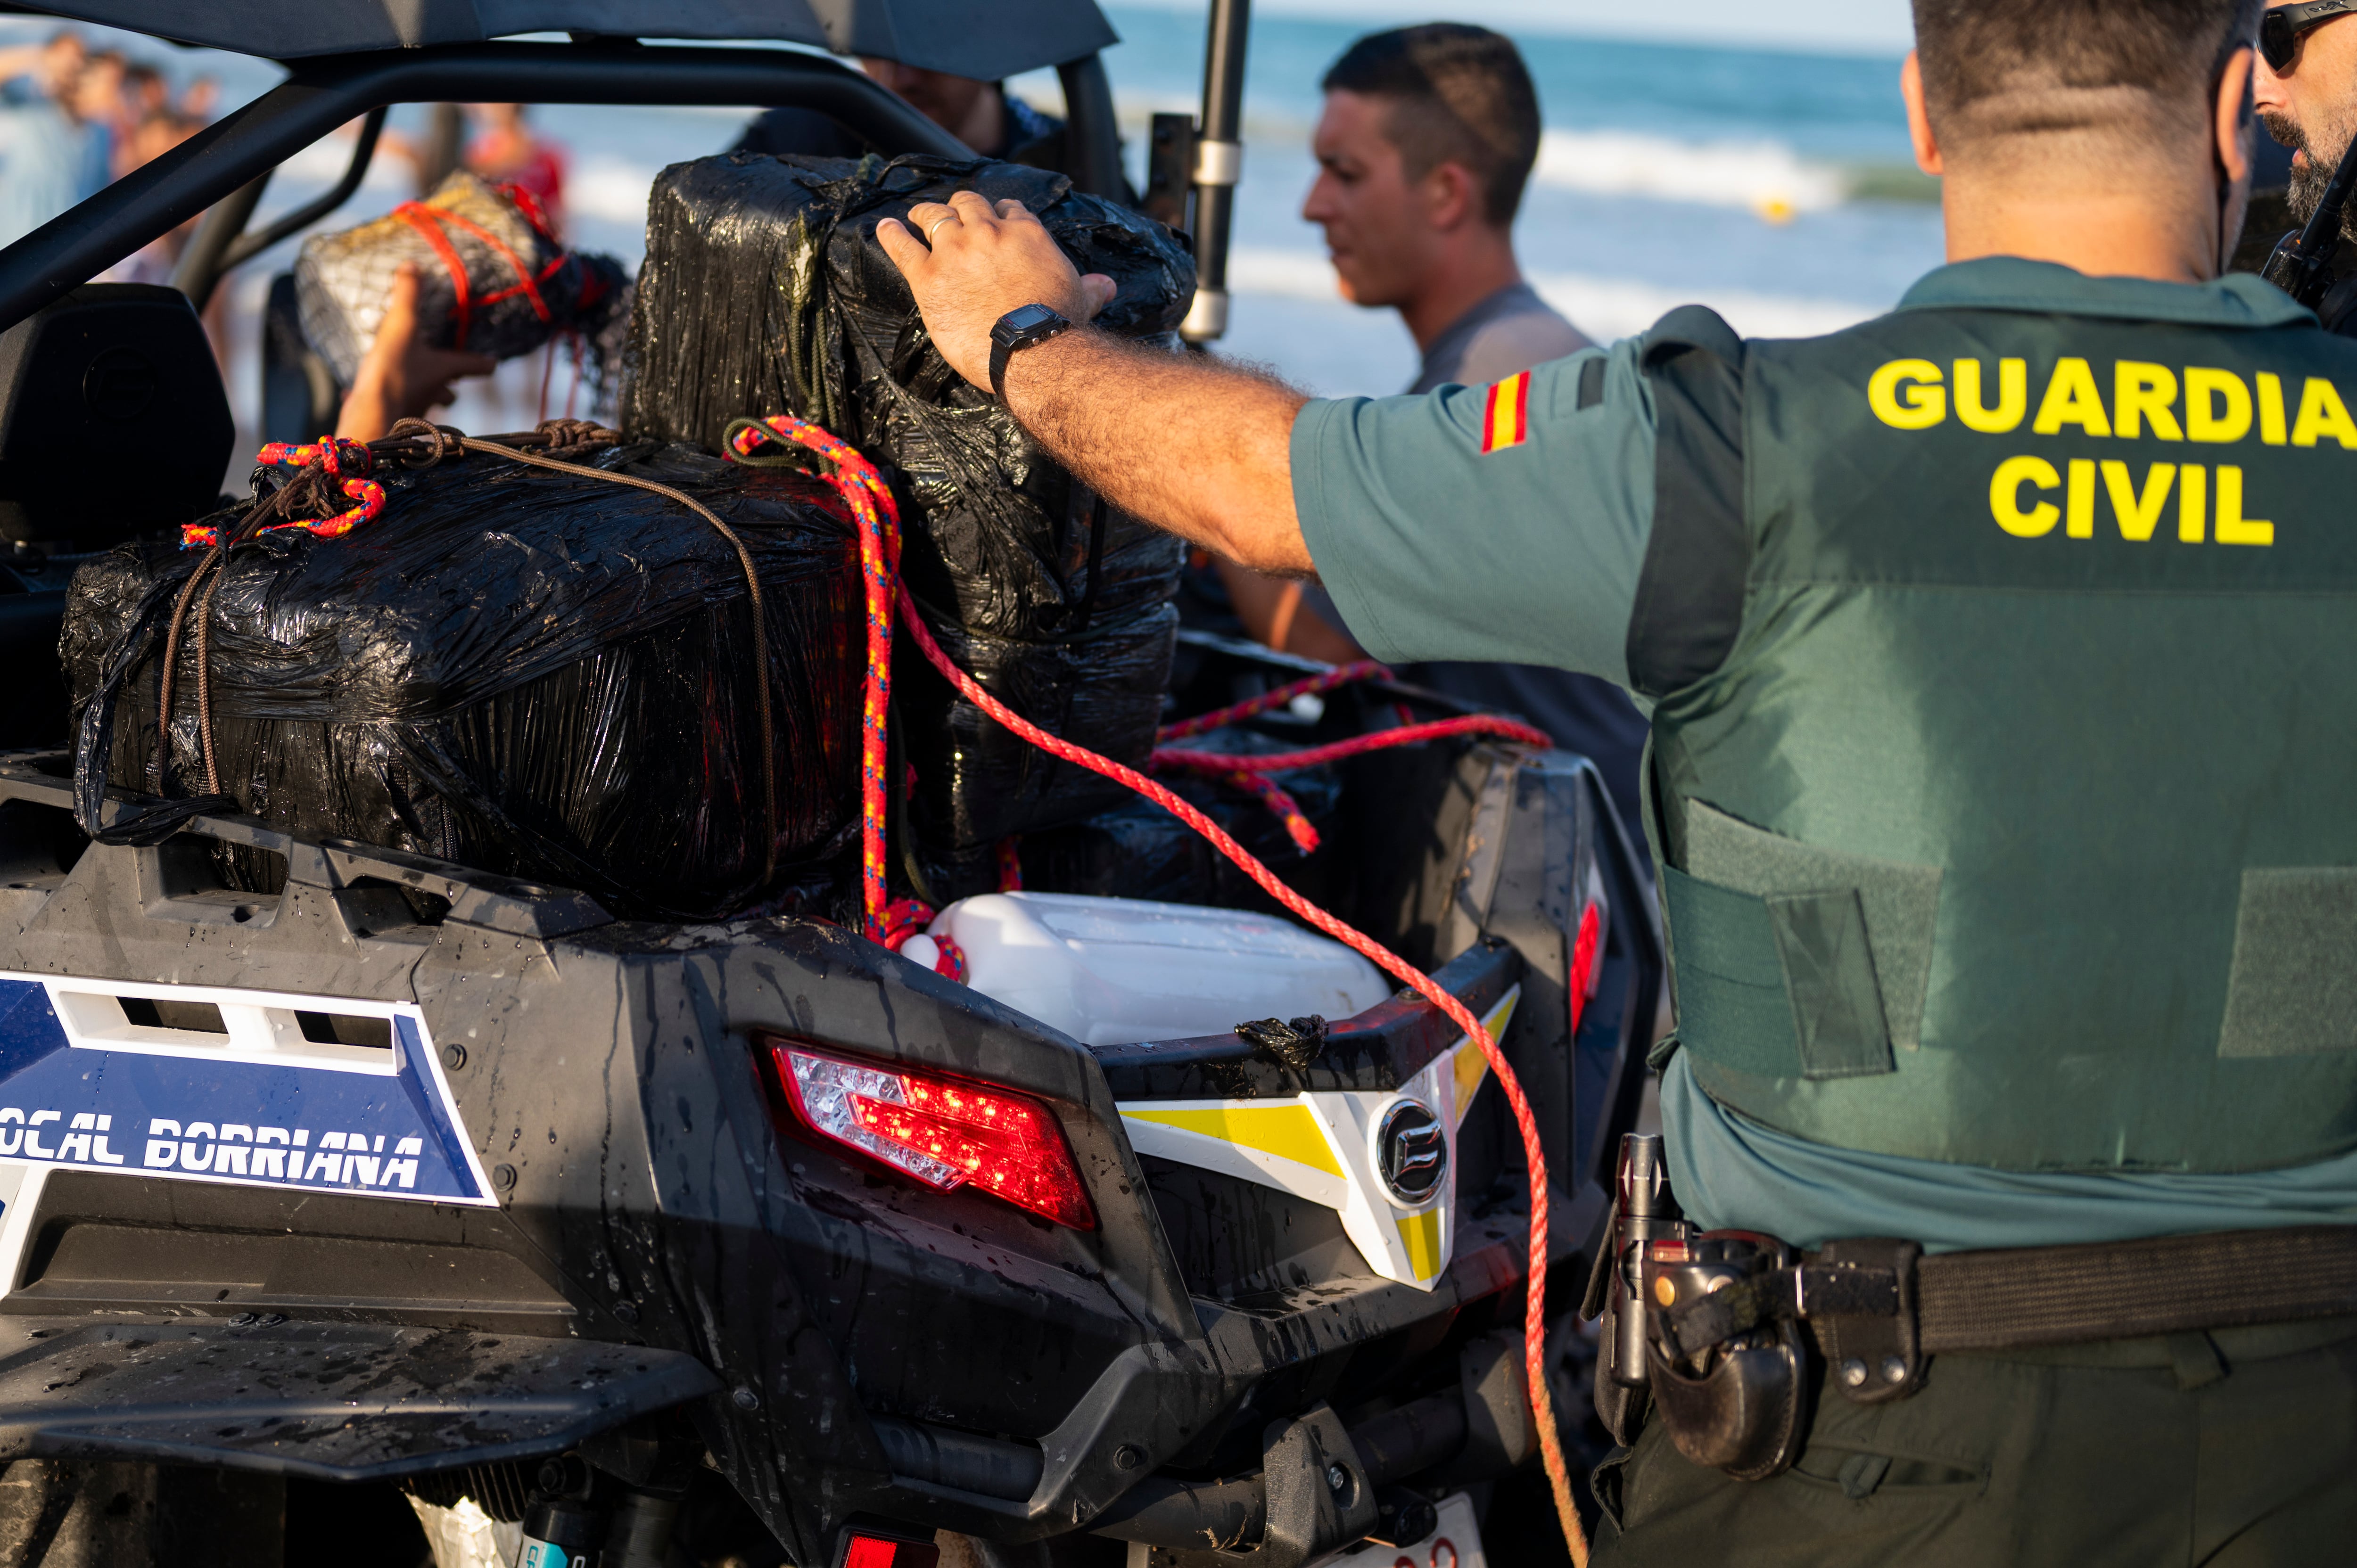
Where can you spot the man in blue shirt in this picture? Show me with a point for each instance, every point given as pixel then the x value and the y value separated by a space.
pixel 2002 657
pixel 49 158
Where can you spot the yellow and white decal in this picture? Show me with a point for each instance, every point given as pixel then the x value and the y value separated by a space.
pixel 1326 1148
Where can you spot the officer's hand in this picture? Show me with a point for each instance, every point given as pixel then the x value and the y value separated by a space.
pixel 974 265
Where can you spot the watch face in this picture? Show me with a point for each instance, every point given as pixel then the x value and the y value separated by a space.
pixel 1014 323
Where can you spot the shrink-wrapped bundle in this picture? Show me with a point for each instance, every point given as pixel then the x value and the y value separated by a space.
pixel 764 291
pixel 536 674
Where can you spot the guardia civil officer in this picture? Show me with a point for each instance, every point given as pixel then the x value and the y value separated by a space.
pixel 2307 82
pixel 2002 655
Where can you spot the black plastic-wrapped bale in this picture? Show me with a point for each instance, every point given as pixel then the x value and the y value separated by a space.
pixel 764 289
pixel 536 674
pixel 1137 850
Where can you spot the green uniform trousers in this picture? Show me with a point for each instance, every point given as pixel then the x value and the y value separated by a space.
pixel 2235 1448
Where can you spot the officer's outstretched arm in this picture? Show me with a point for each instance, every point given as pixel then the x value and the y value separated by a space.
pixel 1196 447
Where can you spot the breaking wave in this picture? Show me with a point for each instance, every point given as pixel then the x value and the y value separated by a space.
pixel 1604 307
pixel 1760 177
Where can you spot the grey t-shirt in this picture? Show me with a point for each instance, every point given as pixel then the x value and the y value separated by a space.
pixel 1512 330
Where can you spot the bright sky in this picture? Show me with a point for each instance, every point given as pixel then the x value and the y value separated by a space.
pixel 1871 27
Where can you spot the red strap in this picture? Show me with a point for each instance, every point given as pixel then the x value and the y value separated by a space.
pixel 533 213
pixel 422 218
pixel 428 220
pixel 524 279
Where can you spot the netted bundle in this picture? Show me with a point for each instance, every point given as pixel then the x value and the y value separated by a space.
pixel 536 674
pixel 764 290
pixel 492 278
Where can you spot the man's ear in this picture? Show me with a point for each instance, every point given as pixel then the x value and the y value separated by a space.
pixel 1452 197
pixel 1919 119
pixel 2233 124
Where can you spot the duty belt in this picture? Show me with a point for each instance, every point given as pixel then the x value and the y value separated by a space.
pixel 1879 1307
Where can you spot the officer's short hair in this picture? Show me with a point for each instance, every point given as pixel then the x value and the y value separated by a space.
pixel 2018 68
pixel 1459 94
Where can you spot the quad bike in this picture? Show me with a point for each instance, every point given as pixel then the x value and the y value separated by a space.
pixel 405 1174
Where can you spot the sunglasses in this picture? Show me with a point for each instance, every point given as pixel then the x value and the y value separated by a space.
pixel 2280 29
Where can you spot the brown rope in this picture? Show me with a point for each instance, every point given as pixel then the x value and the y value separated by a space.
pixel 418 445
pixel 278 502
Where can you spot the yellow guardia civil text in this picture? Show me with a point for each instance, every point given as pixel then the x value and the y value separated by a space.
pixel 2031 497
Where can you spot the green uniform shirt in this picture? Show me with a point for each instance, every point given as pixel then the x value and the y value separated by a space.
pixel 1513 523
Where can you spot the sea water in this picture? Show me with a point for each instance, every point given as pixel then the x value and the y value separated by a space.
pixel 1774 187
pixel 1777 187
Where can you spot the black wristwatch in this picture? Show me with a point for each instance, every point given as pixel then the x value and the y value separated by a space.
pixel 1022 327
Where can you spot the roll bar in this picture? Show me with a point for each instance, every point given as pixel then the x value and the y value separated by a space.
pixel 1094 134
pixel 324 93
pixel 1219 154
pixel 220 241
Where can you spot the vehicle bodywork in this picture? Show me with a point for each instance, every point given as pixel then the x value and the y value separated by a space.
pixel 402 1171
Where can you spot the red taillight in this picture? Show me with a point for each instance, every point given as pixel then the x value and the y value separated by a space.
pixel 864 1550
pixel 944 1133
pixel 1587 946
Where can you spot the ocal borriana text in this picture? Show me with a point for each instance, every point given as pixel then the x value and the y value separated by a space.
pixel 221 1149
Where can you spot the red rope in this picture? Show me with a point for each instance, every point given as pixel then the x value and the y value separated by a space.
pixel 1249 773
pixel 878 516
pixel 1534 1310
pixel 349 461
pixel 428 220
pixel 1310 757
pixel 1268 702
pixel 420 217
pixel 1281 805
pixel 871 500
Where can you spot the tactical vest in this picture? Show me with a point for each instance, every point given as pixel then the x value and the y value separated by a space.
pixel 2004 759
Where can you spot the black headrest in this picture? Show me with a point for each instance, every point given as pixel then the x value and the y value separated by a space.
pixel 113 420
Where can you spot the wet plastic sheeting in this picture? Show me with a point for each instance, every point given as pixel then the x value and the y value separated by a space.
pixel 1137 850
pixel 531 673
pixel 764 290
pixel 1106 687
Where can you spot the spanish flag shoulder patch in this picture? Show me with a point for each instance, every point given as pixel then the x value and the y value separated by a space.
pixel 1506 419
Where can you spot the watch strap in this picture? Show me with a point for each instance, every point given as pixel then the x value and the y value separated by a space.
pixel 1000 352
pixel 1005 342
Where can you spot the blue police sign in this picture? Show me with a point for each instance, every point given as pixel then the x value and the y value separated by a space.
pixel 197 1083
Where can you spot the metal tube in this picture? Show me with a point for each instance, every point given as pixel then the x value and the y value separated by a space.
pixel 324 93
pixel 249 246
pixel 1219 153
pixel 222 244
pixel 202 264
pixel 1093 134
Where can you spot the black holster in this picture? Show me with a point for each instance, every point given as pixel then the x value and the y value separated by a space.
pixel 1715 1330
pixel 1748 1415
pixel 1740 1404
